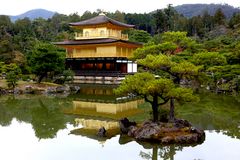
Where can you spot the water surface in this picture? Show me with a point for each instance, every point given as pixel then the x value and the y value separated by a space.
pixel 40 128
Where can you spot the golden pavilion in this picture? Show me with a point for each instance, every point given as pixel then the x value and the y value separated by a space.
pixel 100 51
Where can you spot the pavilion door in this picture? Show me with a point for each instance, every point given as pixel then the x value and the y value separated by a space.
pixel 123 67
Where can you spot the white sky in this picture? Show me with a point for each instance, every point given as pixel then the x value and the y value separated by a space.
pixel 15 7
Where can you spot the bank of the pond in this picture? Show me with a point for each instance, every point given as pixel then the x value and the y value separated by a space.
pixel 24 87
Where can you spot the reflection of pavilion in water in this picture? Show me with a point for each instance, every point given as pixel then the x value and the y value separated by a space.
pixel 97 107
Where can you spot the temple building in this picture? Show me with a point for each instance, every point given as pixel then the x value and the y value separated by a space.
pixel 100 51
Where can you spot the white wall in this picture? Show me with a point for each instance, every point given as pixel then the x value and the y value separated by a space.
pixel 131 67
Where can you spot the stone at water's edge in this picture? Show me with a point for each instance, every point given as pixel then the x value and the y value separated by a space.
pixel 126 125
pixel 180 131
pixel 101 132
pixel 35 89
pixel 29 90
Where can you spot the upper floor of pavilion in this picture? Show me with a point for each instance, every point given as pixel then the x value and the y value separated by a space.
pixel 100 26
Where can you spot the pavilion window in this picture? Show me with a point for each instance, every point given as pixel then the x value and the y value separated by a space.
pixel 102 33
pixel 110 66
pixel 86 34
pixel 99 66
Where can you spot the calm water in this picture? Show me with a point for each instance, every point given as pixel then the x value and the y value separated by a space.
pixel 48 128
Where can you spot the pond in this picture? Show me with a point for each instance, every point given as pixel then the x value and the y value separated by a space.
pixel 58 127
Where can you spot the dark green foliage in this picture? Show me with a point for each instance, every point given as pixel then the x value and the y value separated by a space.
pixel 13 73
pixel 139 36
pixel 46 59
pixel 235 20
pixel 160 17
pixel 219 17
pixel 233 57
pixel 227 72
pixel 141 21
pixel 117 15
pixel 12 79
pixel 66 76
pixel 6 28
pixel 155 91
pixel 159 59
pixel 167 48
pixel 168 43
pixel 209 59
pixel 88 15
pixel 168 20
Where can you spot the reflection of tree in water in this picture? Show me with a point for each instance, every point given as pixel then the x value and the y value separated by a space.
pixel 6 116
pixel 162 152
pixel 214 112
pixel 10 108
pixel 47 120
pixel 165 152
pixel 43 113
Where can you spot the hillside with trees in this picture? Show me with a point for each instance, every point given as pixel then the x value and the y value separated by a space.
pixel 191 10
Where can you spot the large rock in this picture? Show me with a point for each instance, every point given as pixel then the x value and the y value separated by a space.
pixel 51 90
pixel 17 91
pixel 181 123
pixel 74 89
pixel 60 89
pixel 29 90
pixel 102 132
pixel 3 91
pixel 147 131
pixel 180 131
pixel 125 125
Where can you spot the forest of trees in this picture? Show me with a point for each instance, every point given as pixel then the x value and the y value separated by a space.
pixel 210 41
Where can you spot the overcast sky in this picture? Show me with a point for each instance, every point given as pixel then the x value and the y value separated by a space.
pixel 15 7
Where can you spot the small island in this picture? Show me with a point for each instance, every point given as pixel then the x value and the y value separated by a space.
pixel 177 132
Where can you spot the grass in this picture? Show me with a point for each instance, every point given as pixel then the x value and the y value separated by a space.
pixel 3 83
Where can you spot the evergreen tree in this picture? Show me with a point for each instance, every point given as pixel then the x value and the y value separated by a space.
pixel 219 17
pixel 235 20
pixel 46 58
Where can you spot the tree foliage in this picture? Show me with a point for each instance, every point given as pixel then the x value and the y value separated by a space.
pixel 235 20
pixel 209 59
pixel 155 91
pixel 160 60
pixel 45 59
pixel 139 36
pixel 219 17
pixel 12 72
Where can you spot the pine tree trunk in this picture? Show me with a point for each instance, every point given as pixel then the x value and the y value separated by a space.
pixel 155 153
pixel 155 108
pixel 172 152
pixel 171 112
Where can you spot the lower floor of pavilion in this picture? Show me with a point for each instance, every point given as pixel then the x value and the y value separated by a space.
pixel 101 66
